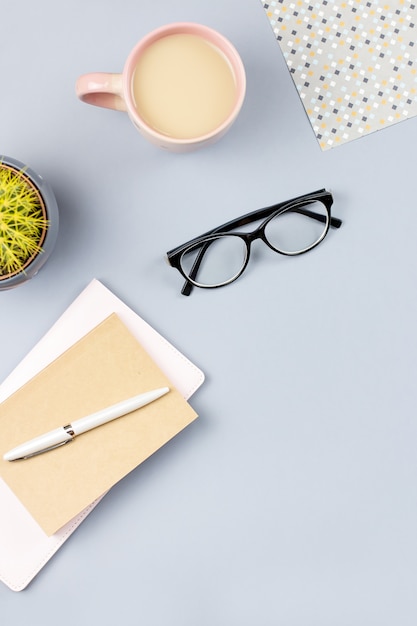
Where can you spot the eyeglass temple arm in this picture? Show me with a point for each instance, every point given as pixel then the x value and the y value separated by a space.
pixel 335 222
pixel 187 287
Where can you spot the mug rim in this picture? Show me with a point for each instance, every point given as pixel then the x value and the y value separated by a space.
pixel 226 47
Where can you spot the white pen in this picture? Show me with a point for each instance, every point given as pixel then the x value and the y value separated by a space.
pixel 64 434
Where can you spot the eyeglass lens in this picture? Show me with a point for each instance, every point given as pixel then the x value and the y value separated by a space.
pixel 220 259
pixel 292 232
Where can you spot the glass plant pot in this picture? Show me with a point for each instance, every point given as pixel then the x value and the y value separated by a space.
pixel 27 237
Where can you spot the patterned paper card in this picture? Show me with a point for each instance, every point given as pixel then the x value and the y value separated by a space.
pixel 354 63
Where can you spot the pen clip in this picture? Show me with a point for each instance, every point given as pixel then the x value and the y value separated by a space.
pixel 29 456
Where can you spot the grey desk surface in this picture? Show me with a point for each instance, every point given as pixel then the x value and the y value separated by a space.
pixel 292 499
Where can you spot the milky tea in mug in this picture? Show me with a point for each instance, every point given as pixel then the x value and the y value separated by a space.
pixel 182 86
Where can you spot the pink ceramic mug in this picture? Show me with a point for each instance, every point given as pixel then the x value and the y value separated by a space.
pixel 182 86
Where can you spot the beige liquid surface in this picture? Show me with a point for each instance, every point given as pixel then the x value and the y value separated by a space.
pixel 183 86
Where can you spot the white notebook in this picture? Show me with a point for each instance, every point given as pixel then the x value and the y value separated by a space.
pixel 24 547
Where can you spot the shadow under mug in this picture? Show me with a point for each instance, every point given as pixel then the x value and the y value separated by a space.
pixel 198 78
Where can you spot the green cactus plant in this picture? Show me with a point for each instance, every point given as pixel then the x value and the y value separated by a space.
pixel 23 221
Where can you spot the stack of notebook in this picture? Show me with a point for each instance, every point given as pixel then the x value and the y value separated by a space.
pixel 98 353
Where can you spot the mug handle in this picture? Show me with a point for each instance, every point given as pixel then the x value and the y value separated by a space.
pixel 101 89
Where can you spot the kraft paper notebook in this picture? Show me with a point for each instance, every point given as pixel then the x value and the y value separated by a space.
pixel 24 546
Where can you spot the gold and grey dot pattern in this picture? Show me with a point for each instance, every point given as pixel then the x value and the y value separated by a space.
pixel 354 63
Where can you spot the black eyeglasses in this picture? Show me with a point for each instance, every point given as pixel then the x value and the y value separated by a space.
pixel 220 256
